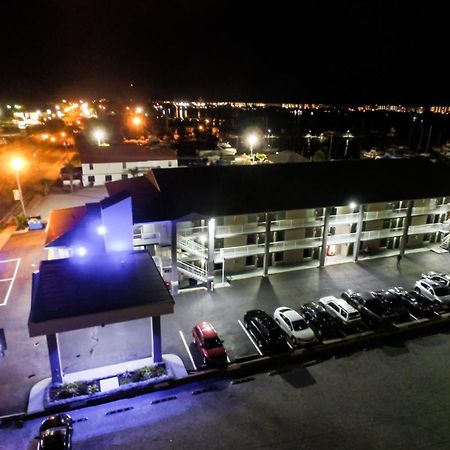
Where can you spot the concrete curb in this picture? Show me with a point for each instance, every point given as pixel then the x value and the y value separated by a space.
pixel 251 365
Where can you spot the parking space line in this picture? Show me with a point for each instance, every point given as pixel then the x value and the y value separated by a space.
pixel 288 343
pixel 187 349
pixel 5 301
pixel 251 339
pixel 6 279
pixel 414 318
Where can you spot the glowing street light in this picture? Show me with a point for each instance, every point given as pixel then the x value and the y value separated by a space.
pixel 136 120
pixel 17 164
pixel 252 140
pixel 100 135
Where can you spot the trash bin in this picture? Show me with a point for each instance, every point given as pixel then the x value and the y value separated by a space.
pixel 35 223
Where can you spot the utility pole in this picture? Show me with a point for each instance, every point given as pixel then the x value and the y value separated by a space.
pixel 331 145
pixel 429 138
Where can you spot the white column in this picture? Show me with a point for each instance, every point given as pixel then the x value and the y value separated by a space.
pixel 174 270
pixel 211 243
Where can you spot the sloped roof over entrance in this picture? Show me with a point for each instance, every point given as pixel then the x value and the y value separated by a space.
pixel 74 293
pixel 231 190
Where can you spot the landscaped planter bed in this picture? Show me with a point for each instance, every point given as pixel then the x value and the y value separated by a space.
pixel 60 394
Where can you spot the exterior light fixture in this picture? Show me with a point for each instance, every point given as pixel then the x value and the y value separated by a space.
pixel 81 251
pixel 101 230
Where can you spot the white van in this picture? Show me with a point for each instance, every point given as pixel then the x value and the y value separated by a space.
pixel 339 308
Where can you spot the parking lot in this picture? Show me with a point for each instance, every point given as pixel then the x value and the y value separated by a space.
pixel 8 273
pixel 225 308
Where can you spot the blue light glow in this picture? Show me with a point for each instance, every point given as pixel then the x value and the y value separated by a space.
pixel 101 230
pixel 81 251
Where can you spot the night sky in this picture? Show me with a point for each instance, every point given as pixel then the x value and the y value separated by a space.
pixel 299 51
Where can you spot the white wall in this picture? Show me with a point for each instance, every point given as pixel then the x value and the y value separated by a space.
pixel 116 170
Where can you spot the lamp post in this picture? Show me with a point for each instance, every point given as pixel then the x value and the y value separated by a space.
pixel 252 139
pixel 18 164
pixel 99 134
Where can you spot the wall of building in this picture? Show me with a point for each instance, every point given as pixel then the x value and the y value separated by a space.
pixel 238 264
pixel 116 170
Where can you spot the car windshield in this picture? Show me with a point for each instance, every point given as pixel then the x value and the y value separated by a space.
pixel 353 315
pixel 214 342
pixel 442 290
pixel 299 325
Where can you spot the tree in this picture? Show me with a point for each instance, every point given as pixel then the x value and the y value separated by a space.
pixel 45 183
pixel 134 171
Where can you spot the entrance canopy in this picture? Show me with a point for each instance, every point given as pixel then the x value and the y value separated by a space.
pixel 81 292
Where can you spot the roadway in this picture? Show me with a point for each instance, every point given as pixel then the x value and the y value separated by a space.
pixel 391 397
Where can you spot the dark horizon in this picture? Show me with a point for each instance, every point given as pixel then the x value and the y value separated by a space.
pixel 356 52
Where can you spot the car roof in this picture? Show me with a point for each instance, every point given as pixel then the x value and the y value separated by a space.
pixel 207 330
pixel 431 283
pixel 291 314
pixel 328 299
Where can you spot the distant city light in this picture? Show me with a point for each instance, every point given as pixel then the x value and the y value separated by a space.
pixel 139 110
pixel 136 121
pixel 99 135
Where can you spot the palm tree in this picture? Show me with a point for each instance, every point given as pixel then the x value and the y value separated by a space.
pixel 134 171
pixel 69 170
pixel 46 183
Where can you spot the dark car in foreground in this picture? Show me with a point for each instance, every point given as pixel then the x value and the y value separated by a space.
pixel 373 312
pixel 209 344
pixel 321 322
pixel 55 433
pixel 418 305
pixel 265 331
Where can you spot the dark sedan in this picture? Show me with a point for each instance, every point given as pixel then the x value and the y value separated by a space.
pixel 418 305
pixel 320 321
pixel 394 304
pixel 55 433
pixel 265 331
pixel 372 311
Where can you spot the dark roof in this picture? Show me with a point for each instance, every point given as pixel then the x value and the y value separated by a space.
pixel 74 293
pixel 91 154
pixel 231 190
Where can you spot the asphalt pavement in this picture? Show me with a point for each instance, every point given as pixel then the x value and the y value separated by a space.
pixel 393 397
pixel 26 360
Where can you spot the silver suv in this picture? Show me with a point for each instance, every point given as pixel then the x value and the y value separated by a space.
pixel 339 308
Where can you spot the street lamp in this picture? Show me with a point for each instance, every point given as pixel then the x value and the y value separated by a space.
pixel 252 140
pixel 99 134
pixel 18 164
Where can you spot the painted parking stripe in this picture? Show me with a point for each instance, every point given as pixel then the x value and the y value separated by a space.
pixel 187 349
pixel 6 279
pixel 5 300
pixel 251 339
pixel 288 343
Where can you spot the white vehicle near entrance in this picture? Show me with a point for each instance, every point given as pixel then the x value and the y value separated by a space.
pixel 294 325
pixel 339 308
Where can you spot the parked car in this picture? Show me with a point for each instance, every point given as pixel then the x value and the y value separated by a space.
pixel 56 432
pixel 439 277
pixel 342 310
pixel 373 312
pixel 394 304
pixel 209 344
pixel 321 322
pixel 418 305
pixel 436 292
pixel 294 325
pixel 267 334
